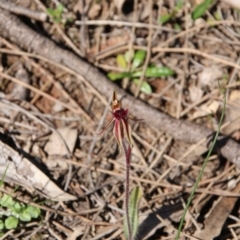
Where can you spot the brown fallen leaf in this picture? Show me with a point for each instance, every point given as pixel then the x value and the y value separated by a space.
pixel 233 114
pixel 56 146
pixel 233 3
pixel 16 166
pixel 214 223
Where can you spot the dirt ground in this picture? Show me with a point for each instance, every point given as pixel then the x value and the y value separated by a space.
pixel 58 61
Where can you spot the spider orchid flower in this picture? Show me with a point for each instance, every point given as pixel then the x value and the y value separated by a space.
pixel 121 129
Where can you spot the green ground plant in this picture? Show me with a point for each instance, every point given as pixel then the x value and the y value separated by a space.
pixel 13 212
pixel 56 13
pixel 136 60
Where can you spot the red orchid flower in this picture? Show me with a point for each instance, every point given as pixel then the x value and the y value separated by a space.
pixel 121 129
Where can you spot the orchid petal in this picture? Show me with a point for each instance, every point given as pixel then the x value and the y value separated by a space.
pixel 127 131
pixel 105 127
pixel 118 132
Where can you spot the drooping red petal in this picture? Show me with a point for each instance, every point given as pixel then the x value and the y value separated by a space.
pixel 118 132
pixel 127 131
pixel 105 126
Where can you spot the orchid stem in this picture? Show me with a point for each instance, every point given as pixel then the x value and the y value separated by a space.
pixel 127 152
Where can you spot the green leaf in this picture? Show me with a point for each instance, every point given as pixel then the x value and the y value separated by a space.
pixel 128 56
pixel 56 13
pixel 33 211
pixel 134 200
pixel 7 201
pixel 116 76
pixel 200 9
pixel 25 216
pixel 17 206
pixel 165 18
pixel 1 225
pixel 11 222
pixel 121 62
pixel 138 59
pixel 177 26
pixel 155 72
pixel 145 87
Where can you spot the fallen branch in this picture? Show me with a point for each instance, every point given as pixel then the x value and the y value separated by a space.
pixel 39 16
pixel 12 28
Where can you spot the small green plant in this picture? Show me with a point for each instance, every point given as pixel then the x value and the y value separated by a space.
pixel 56 13
pixel 201 9
pixel 136 62
pixel 12 212
pixel 134 200
pixel 167 17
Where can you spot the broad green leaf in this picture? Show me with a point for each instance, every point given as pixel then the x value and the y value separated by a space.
pixel 138 59
pixel 1 225
pixel 17 206
pixel 116 76
pixel 7 201
pixel 155 72
pixel 165 18
pixel 128 56
pixel 200 9
pixel 145 87
pixel 217 16
pixel 33 211
pixel 25 216
pixel 11 222
pixel 121 62
pixel 134 200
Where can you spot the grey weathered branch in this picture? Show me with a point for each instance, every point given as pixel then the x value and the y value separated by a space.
pixel 39 16
pixel 12 28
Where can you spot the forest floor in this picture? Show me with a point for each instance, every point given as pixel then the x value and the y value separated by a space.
pixel 61 62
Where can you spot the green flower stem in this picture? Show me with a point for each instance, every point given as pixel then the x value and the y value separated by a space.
pixel 202 169
pixel 127 152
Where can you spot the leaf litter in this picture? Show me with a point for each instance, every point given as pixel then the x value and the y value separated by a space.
pixel 98 174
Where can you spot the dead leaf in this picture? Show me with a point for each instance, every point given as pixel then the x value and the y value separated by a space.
pixel 233 114
pixel 56 146
pixel 195 93
pixel 94 11
pixel 233 3
pixel 119 4
pixel 218 216
pixel 206 109
pixel 77 231
pixel 16 167
pixel 209 76
pixel 78 7
pixel 109 43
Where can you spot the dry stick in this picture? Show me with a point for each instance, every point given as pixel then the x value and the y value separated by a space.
pixel 49 97
pixel 39 16
pixel 11 27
